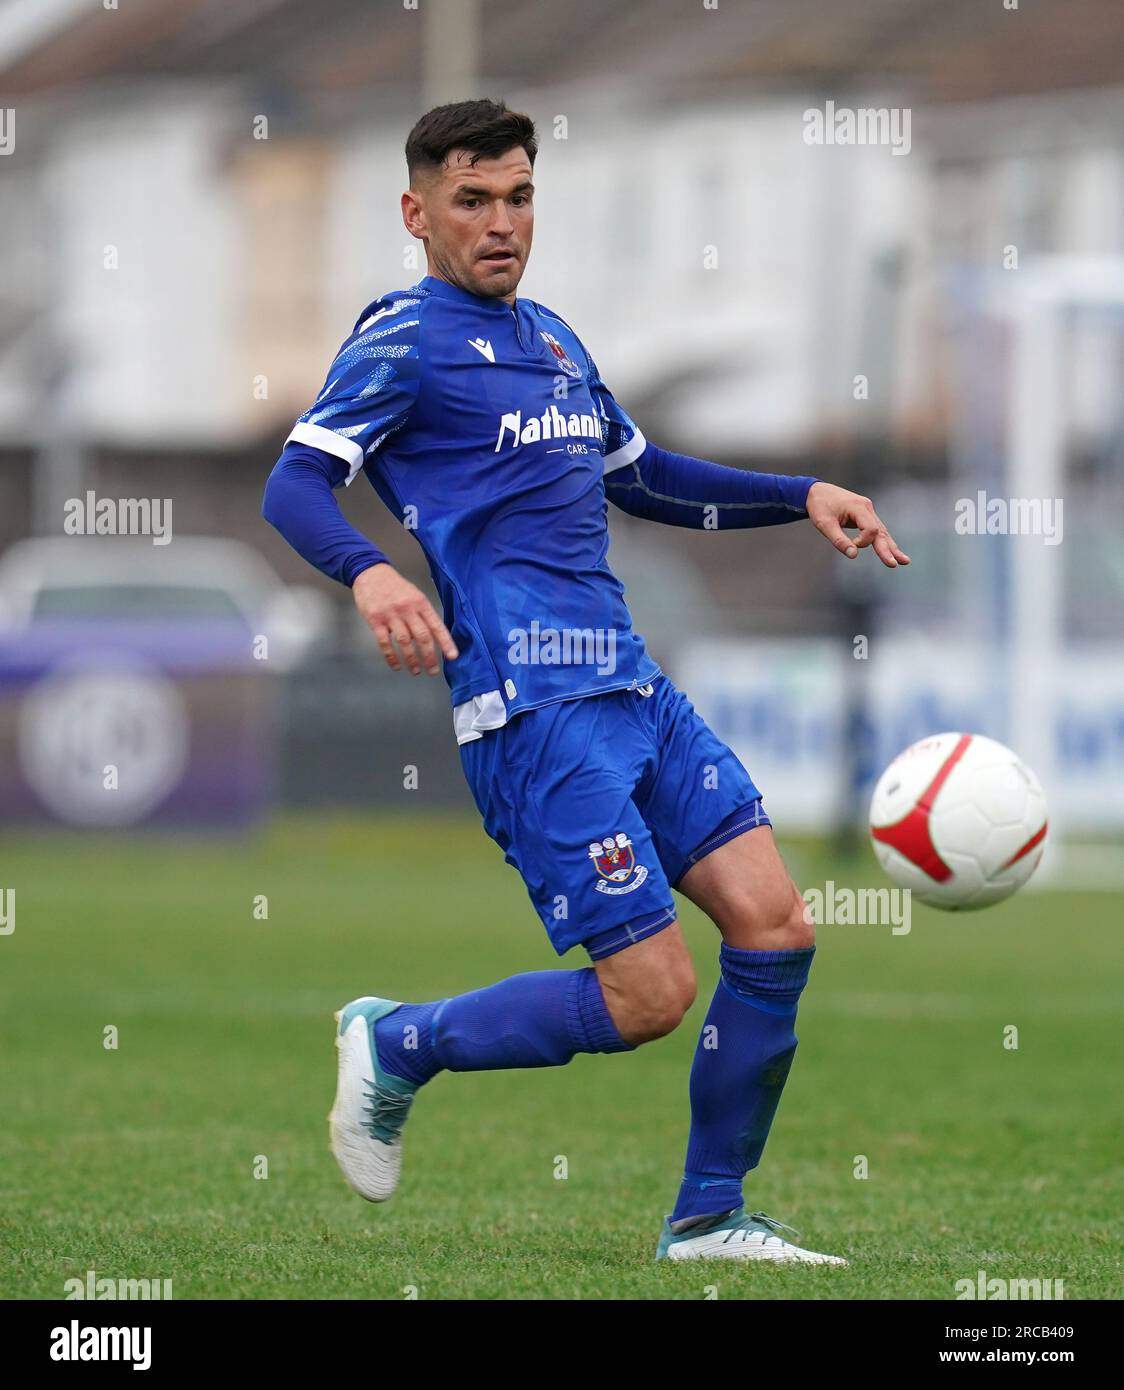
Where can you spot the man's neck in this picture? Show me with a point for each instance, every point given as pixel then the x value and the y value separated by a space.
pixel 508 299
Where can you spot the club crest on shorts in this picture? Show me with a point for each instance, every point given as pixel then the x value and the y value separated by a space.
pixel 615 862
pixel 568 365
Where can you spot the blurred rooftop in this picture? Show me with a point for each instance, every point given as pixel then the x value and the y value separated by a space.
pixel 336 54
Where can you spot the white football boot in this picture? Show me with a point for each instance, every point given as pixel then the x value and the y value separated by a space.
pixel 736 1235
pixel 365 1124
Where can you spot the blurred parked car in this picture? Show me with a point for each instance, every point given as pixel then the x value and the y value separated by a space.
pixel 106 579
pixel 131 687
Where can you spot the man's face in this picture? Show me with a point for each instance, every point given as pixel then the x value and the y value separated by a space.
pixel 476 220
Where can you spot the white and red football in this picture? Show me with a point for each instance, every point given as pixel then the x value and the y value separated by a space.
pixel 959 820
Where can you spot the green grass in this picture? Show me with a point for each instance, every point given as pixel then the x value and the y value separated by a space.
pixel 139 1162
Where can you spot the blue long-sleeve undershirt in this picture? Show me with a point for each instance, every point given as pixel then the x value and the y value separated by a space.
pixel 683 491
pixel 299 502
pixel 658 485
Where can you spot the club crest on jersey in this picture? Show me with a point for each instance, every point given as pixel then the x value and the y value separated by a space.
pixel 568 365
pixel 616 865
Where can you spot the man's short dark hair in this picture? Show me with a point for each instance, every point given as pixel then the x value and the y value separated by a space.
pixel 485 127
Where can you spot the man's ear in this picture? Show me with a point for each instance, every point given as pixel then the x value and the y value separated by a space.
pixel 413 214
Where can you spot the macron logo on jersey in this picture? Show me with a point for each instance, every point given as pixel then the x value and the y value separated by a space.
pixel 551 424
pixel 483 347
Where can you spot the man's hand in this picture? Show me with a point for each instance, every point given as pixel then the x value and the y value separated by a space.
pixel 392 607
pixel 830 508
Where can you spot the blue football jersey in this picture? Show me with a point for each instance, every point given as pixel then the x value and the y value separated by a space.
pixel 487 431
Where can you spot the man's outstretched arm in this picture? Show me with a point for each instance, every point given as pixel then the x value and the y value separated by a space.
pixel 680 490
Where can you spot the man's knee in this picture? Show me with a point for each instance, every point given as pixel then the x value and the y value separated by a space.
pixel 745 890
pixel 794 927
pixel 649 987
pixel 659 1004
pixel 776 921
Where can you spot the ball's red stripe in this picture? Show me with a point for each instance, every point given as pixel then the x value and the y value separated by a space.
pixel 1035 839
pixel 910 835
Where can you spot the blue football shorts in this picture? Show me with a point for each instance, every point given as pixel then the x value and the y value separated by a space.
pixel 603 803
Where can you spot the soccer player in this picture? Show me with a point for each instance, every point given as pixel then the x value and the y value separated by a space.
pixel 482 422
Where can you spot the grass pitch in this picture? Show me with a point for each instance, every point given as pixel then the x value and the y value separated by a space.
pixel 140 1161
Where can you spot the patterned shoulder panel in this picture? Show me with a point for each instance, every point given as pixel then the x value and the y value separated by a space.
pixel 372 383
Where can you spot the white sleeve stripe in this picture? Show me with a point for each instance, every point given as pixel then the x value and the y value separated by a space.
pixel 331 443
pixel 632 450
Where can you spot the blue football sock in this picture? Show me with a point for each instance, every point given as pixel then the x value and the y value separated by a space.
pixel 536 1020
pixel 741 1063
